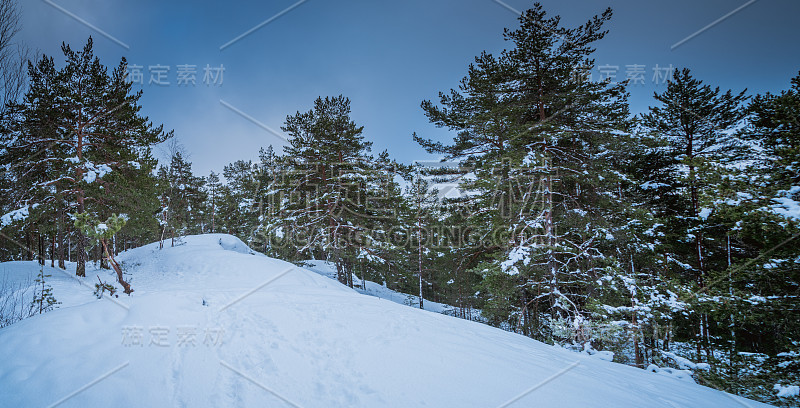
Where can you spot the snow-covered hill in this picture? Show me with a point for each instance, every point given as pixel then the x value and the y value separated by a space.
pixel 212 323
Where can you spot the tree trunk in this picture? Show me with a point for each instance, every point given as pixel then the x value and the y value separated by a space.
pixel 41 249
pixel 163 231
pixel 699 334
pixel 349 274
pixel 60 238
pixel 117 269
pixel 53 252
pixel 637 352
pixel 80 247
pixel 213 216
pixel 702 339
pixel 80 255
pixel 29 246
pixel 732 354
pixel 419 255
pixel 103 259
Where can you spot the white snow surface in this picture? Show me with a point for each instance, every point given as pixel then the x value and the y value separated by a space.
pixel 787 391
pixel 267 333
pixel 378 290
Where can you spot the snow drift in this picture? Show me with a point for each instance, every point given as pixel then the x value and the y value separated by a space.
pixel 213 323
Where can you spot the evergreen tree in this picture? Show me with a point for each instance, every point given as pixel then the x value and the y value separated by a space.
pixel 330 164
pixel 423 202
pixel 536 134
pixel 776 127
pixel 102 232
pixel 759 279
pixel 699 126
pixel 213 194
pixel 182 197
pixel 241 201
pixel 43 298
pixel 80 123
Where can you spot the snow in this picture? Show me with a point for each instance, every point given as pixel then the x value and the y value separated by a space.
pixel 19 276
pixel 604 355
pixel 786 205
pixel 517 254
pixel 377 290
pixel 16 215
pixel 685 364
pixel 682 375
pixel 787 391
pixel 93 172
pixel 650 185
pixel 213 323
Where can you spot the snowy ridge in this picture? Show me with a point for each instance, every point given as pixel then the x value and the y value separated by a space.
pixel 267 333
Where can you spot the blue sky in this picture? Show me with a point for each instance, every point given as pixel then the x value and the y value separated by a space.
pixel 386 56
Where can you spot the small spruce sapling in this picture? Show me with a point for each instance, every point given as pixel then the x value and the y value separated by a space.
pixel 102 232
pixel 43 299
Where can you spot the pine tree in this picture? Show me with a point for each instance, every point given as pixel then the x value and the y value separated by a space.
pixel 134 191
pixel 182 197
pixel 758 275
pixel 268 176
pixel 80 123
pixel 698 124
pixel 241 201
pixel 43 298
pixel 536 134
pixel 102 232
pixel 423 203
pixel 213 193
pixel 329 160
pixel 776 126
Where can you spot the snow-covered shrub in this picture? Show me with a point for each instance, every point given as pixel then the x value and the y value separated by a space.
pixel 606 341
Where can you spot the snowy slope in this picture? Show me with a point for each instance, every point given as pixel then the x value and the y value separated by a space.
pixel 266 333
pixel 378 290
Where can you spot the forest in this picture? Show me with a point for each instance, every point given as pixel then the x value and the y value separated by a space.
pixel 668 237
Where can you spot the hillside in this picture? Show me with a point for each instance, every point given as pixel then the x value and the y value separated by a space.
pixel 212 323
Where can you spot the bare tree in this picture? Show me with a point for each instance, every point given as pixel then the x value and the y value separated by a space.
pixel 13 56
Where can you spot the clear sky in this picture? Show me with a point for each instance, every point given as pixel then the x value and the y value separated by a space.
pixel 386 56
